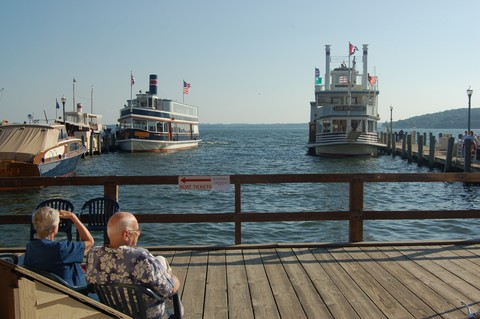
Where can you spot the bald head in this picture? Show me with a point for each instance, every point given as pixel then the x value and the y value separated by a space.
pixel 118 228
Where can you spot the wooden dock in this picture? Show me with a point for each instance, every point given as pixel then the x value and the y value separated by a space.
pixel 438 159
pixel 361 281
pixel 288 280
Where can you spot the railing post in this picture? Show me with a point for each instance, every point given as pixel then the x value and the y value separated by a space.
pixel 356 211
pixel 238 210
pixel 110 190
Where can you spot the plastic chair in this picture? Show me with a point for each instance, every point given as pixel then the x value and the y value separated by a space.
pixel 129 299
pixel 81 289
pixel 57 203
pixel 99 210
pixel 11 258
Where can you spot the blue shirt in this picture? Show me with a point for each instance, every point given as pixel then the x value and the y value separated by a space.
pixel 62 258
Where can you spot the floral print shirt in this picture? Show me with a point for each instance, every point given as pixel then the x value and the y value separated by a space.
pixel 132 265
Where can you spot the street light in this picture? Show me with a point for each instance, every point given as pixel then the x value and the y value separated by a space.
pixel 391 123
pixel 63 103
pixel 469 93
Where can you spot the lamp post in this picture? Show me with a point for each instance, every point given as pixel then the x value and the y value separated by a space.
pixel 391 123
pixel 469 93
pixel 63 103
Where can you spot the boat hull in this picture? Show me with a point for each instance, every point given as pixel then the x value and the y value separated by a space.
pixel 346 149
pixel 61 167
pixel 139 145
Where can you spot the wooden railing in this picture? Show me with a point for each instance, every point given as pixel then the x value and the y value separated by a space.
pixel 356 214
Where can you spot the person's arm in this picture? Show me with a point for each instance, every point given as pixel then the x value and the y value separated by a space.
pixel 85 235
pixel 176 284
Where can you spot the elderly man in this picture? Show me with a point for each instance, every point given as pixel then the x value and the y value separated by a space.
pixel 122 262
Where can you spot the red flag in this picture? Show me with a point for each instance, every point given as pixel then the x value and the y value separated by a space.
pixel 352 48
pixel 186 86
pixel 372 79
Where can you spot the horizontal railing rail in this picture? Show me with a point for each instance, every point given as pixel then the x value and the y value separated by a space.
pixel 356 214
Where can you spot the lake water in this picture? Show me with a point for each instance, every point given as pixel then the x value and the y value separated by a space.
pixel 259 149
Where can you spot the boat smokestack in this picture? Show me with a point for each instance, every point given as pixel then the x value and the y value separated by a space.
pixel 365 66
pixel 153 84
pixel 79 107
pixel 327 67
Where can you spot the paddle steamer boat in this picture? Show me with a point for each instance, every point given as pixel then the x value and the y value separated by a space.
pixel 344 115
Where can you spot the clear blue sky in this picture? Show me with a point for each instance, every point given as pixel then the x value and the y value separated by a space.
pixel 247 61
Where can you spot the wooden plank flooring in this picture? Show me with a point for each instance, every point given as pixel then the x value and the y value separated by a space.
pixel 329 282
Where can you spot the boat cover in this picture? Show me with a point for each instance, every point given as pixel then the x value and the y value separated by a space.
pixel 23 142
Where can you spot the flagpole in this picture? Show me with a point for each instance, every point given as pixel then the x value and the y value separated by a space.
pixel 132 82
pixel 183 91
pixel 349 96
pixel 91 100
pixel 74 94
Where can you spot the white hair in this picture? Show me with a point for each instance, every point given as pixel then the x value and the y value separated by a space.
pixel 44 220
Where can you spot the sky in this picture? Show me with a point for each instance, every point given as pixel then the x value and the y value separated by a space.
pixel 248 61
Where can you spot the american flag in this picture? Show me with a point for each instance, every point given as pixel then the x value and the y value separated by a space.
pixel 186 86
pixel 343 80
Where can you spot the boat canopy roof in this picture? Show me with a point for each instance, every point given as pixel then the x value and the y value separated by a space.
pixel 21 142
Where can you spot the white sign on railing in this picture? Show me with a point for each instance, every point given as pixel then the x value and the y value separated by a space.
pixel 209 183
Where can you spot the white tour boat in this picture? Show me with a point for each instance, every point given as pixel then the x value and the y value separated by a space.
pixel 344 115
pixel 152 124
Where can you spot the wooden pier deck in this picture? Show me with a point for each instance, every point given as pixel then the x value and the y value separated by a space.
pixel 361 281
pixel 439 158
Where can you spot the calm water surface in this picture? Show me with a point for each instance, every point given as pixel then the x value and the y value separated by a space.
pixel 258 149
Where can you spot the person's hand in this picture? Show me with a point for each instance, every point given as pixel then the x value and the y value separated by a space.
pixel 64 214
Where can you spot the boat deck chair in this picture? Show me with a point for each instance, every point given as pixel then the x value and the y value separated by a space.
pixel 83 289
pixel 129 299
pixel 64 225
pixel 11 258
pixel 98 211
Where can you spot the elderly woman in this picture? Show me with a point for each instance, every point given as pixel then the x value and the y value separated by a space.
pixel 62 258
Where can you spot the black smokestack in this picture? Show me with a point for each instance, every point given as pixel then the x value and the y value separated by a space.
pixel 153 84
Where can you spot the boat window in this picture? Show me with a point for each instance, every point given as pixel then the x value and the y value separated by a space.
pixel 339 125
pixel 139 124
pixel 62 134
pixel 326 126
pixel 180 128
pixel 159 127
pixel 336 101
pixel 150 102
pixel 143 102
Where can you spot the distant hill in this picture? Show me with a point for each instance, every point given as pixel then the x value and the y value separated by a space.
pixel 451 119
